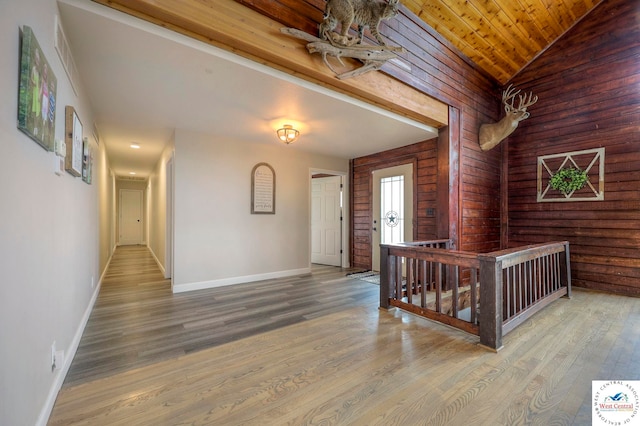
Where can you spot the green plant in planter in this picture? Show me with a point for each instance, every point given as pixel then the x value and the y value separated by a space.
pixel 568 180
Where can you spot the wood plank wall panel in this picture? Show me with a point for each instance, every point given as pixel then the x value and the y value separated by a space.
pixel 447 75
pixel 439 70
pixel 589 89
pixel 424 157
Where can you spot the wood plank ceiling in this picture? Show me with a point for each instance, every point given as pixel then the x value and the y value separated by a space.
pixel 501 36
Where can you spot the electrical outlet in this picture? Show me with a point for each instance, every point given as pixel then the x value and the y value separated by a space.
pixel 53 356
pixel 59 358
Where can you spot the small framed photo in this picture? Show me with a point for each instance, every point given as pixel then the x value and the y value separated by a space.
pixel 74 142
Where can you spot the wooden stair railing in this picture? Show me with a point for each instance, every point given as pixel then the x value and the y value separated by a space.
pixel 517 283
pixel 501 288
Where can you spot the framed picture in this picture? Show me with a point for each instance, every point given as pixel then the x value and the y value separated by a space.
pixel 87 161
pixel 74 142
pixel 37 93
pixel 263 189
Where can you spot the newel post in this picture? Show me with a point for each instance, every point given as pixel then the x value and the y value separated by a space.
pixel 385 290
pixel 490 301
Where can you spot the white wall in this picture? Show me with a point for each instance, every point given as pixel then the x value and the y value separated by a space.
pixel 217 239
pixel 157 208
pixel 49 233
pixel 105 182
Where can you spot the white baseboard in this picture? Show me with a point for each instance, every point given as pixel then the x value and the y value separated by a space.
pixel 157 260
pixel 70 353
pixel 180 288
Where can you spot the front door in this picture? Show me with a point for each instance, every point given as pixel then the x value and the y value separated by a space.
pixel 130 217
pixel 326 220
pixel 392 208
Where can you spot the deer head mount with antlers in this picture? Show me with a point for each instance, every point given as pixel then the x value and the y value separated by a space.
pixel 494 133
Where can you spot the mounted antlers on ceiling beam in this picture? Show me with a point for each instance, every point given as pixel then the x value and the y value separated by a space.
pixel 364 13
pixel 494 133
pixel 373 57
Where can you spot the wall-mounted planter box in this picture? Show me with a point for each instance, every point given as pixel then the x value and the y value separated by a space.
pixel 591 161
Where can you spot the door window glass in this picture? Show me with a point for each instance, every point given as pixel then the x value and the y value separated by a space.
pixel 392 209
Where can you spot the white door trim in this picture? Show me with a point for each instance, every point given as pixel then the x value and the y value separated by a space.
pixel 140 221
pixel 345 211
pixel 407 170
pixel 326 222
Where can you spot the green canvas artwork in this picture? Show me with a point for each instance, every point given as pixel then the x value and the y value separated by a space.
pixel 37 95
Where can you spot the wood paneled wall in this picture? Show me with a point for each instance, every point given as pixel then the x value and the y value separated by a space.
pixel 439 70
pixel 589 89
pixel 423 156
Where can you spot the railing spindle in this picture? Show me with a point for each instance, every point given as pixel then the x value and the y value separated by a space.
pixel 557 263
pixel 438 287
pixel 398 278
pixel 516 283
pixel 423 283
pixel 473 285
pixel 534 293
pixel 454 290
pixel 507 295
pixel 409 284
pixel 522 286
pixel 540 280
pixel 525 285
pixel 548 272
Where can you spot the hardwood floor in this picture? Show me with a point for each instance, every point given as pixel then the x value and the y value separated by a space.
pixel 293 351
pixel 137 320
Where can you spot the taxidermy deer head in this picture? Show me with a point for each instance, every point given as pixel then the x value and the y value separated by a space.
pixel 365 13
pixel 494 133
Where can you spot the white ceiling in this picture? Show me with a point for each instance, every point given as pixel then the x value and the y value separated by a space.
pixel 144 81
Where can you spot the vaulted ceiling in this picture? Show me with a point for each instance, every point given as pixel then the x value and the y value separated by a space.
pixel 501 36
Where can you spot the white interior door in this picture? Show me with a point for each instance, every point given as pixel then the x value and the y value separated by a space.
pixel 326 223
pixel 392 208
pixel 131 219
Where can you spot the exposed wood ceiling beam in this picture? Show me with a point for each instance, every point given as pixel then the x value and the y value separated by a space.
pixel 234 27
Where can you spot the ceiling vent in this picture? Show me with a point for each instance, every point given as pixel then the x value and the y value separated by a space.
pixel 64 52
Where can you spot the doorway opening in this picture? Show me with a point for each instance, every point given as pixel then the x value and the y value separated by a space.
pixel 392 208
pixel 327 218
pixel 131 215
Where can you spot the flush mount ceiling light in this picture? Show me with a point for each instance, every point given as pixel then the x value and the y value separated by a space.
pixel 134 146
pixel 288 134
